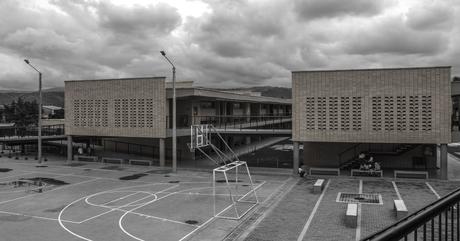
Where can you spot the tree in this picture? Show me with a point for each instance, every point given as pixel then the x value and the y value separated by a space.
pixel 23 113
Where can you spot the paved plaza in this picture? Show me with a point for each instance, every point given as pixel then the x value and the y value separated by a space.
pixel 94 201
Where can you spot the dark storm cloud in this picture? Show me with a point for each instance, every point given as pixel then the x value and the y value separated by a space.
pixel 431 17
pixel 313 9
pixel 242 43
pixel 83 39
pixel 393 37
pixel 233 43
pixel 161 18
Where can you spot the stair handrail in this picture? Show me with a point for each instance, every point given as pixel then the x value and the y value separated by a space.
pixel 354 147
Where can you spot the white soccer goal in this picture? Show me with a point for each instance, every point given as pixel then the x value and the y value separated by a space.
pixel 240 191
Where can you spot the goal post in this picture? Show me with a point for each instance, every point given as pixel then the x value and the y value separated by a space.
pixel 242 196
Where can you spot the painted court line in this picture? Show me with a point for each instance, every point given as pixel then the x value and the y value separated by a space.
pixel 120 225
pixel 120 198
pixel 85 176
pixel 212 218
pixel 16 175
pixel 197 228
pixel 432 189
pixel 68 230
pixel 155 217
pixel 34 216
pixel 312 214
pixel 98 168
pixel 115 209
pixel 358 225
pixel 396 190
pixel 64 186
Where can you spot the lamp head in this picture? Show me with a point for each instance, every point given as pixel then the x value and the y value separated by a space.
pixel 163 53
pixel 27 61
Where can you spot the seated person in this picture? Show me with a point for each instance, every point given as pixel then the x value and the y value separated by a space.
pixel 301 172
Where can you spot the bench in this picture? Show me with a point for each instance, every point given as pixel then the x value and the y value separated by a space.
pixel 370 173
pixel 411 174
pixel 324 171
pixel 82 158
pixel 148 162
pixel 111 160
pixel 318 186
pixel 351 217
pixel 401 209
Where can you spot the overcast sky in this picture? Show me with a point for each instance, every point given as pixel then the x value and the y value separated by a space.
pixel 220 43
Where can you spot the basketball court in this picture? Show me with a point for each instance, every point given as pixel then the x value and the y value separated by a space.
pixel 90 203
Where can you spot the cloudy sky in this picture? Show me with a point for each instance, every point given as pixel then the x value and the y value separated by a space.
pixel 220 43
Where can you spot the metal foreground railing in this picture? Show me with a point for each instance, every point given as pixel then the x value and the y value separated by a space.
pixel 437 221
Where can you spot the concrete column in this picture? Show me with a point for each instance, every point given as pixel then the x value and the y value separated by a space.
pixel 247 111
pixel 69 149
pixel 443 161
pixel 295 165
pixel 217 106
pixel 247 140
pixel 162 152
pixel 224 113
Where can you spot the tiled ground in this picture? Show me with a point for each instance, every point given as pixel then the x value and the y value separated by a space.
pixel 285 221
pixel 291 214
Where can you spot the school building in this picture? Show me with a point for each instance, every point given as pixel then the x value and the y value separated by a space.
pixel 133 115
pixel 400 116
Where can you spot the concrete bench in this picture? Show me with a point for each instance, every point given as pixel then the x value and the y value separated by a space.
pixel 411 174
pixel 83 158
pixel 370 173
pixel 324 171
pixel 148 162
pixel 351 217
pixel 401 209
pixel 318 186
pixel 111 160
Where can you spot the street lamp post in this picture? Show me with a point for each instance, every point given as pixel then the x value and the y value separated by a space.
pixel 174 136
pixel 39 111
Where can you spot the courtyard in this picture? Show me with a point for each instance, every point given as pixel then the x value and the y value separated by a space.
pixel 94 201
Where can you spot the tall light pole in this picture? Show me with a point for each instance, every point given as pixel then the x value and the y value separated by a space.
pixel 39 111
pixel 174 136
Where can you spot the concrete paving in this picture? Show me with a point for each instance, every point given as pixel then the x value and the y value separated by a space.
pixel 97 205
pixel 94 204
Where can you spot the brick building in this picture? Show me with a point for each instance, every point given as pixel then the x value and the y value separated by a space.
pixel 398 115
pixel 133 115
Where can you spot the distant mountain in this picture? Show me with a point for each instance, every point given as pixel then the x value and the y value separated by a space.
pixel 54 96
pixel 269 91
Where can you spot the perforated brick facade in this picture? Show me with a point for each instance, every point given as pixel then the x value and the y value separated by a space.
pixel 410 105
pixel 116 107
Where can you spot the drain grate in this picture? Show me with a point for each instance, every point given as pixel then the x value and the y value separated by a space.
pixel 365 198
